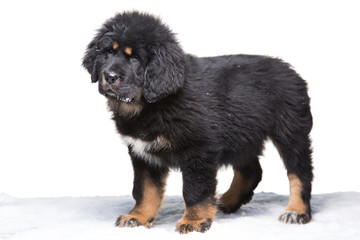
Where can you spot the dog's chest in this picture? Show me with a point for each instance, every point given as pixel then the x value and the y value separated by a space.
pixel 146 149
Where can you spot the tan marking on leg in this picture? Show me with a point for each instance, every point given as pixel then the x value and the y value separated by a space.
pixel 145 211
pixel 197 218
pixel 296 204
pixel 238 185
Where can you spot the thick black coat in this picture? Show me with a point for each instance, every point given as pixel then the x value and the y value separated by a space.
pixel 207 112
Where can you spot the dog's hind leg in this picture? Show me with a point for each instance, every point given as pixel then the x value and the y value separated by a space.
pixel 242 187
pixel 296 155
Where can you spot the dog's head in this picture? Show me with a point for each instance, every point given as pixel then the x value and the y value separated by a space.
pixel 135 58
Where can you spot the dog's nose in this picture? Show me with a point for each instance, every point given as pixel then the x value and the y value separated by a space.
pixel 111 77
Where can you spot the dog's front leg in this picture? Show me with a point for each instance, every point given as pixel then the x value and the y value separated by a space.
pixel 148 192
pixel 199 186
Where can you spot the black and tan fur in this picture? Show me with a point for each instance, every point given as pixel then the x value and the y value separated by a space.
pixel 176 110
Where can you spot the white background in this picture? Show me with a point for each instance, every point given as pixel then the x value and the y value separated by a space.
pixel 56 136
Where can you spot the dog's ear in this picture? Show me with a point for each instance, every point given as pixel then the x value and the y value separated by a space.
pixel 165 73
pixel 89 60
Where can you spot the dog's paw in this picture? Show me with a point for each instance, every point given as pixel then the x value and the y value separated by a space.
pixel 294 217
pixel 227 208
pixel 130 220
pixel 185 226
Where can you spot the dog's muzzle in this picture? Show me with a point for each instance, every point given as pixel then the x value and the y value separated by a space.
pixel 110 87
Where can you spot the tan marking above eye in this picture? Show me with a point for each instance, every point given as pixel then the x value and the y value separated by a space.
pixel 128 50
pixel 115 45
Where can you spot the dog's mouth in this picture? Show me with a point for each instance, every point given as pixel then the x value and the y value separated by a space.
pixel 111 94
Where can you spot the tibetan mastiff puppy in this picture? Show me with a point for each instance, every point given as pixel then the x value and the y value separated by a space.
pixel 176 110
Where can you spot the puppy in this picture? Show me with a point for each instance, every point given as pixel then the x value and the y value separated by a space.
pixel 176 110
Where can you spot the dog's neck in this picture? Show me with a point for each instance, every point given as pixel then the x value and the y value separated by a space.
pixel 124 109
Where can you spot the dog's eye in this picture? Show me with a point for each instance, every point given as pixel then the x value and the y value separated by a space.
pixel 101 50
pixel 105 50
pixel 110 50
